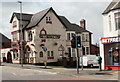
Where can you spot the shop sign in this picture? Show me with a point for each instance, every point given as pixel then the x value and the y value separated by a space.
pixel 109 40
pixel 49 36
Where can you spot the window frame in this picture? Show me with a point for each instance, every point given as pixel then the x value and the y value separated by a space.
pixel 30 35
pixel 40 55
pixel 117 20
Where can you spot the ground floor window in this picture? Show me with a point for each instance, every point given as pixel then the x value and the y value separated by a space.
pixel 112 55
pixel 73 52
pixel 69 52
pixel 50 54
pixel 41 54
pixel 15 55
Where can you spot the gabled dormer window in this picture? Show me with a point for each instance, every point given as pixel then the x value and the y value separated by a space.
pixel 48 20
pixel 14 24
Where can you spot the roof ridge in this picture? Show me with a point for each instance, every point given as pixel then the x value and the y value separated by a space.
pixel 22 13
pixel 43 10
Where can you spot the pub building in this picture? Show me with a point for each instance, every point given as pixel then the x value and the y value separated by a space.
pixel 110 43
pixel 47 37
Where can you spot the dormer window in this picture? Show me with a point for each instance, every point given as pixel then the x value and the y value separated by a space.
pixel 48 20
pixel 14 24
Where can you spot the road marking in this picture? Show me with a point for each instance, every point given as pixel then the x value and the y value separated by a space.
pixel 14 74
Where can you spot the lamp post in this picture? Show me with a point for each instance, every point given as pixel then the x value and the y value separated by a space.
pixel 21 34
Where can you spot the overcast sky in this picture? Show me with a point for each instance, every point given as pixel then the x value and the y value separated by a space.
pixel 73 10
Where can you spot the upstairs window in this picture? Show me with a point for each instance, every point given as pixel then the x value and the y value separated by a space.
pixel 117 21
pixel 14 24
pixel 68 36
pixel 15 37
pixel 87 37
pixel 110 22
pixel 30 36
pixel 83 38
pixel 48 20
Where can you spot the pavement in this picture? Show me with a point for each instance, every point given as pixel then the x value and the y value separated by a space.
pixel 89 73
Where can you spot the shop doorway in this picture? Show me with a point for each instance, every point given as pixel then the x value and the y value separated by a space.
pixel 9 57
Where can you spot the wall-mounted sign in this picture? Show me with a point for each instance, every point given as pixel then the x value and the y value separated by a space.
pixel 109 40
pixel 49 36
pixel 45 49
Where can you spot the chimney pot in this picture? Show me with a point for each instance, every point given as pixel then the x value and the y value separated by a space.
pixel 83 24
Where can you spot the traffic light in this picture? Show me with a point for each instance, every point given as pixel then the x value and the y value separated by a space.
pixel 79 41
pixel 73 42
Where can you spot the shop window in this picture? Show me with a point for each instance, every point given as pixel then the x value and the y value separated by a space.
pixel 30 36
pixel 117 21
pixel 41 54
pixel 112 57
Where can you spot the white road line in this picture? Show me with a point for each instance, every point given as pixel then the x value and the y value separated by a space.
pixel 14 74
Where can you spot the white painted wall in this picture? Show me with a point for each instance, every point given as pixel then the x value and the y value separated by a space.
pixel 106 28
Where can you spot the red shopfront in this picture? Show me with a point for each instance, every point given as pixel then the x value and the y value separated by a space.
pixel 111 53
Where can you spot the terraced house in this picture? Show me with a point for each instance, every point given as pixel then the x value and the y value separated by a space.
pixel 47 37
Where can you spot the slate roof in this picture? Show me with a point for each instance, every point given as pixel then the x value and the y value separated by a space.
pixel 115 4
pixel 34 20
pixel 71 26
pixel 25 16
pixel 37 17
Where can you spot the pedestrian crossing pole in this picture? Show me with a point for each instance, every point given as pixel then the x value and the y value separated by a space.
pixel 77 58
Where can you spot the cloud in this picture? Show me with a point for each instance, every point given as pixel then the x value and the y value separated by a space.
pixel 74 11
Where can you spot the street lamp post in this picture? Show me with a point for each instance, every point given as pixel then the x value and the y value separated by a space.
pixel 21 34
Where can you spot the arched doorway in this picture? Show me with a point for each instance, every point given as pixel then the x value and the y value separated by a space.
pixel 9 57
pixel 27 54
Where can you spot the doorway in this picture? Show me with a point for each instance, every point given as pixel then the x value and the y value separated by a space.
pixel 9 57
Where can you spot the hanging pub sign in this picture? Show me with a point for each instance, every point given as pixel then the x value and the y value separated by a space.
pixel 109 40
pixel 49 36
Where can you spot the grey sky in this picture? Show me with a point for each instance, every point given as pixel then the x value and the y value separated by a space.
pixel 74 11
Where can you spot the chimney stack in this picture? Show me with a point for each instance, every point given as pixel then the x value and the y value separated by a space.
pixel 83 24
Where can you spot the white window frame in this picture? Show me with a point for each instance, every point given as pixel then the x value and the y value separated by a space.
pixel 117 20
